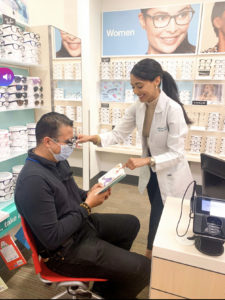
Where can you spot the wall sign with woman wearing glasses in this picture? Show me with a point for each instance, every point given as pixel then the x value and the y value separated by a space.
pixel 66 44
pixel 170 29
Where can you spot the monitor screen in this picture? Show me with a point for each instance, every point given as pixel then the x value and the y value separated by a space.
pixel 213 176
pixel 213 207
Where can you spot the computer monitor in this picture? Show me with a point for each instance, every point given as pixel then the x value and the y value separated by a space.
pixel 213 176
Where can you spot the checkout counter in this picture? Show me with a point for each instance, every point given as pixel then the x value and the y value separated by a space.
pixel 178 269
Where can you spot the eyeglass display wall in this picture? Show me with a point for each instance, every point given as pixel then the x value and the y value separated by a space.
pixel 197 67
pixel 201 90
pixel 19 51
pixel 67 84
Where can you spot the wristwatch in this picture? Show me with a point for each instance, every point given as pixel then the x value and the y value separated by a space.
pixel 152 161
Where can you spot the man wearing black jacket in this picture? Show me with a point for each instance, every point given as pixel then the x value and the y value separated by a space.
pixel 73 241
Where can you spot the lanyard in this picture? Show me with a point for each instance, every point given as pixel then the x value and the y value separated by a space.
pixel 28 158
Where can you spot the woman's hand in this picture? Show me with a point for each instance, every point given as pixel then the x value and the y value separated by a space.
pixel 88 138
pixel 134 163
pixel 83 138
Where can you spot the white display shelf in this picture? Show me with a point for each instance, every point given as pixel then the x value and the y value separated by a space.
pixel 66 58
pixel 120 150
pixel 21 108
pixel 68 99
pixel 17 63
pixel 193 157
pixel 4 204
pixel 13 155
pixel 138 151
pixel 64 79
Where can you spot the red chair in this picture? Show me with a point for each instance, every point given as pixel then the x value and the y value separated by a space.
pixel 74 286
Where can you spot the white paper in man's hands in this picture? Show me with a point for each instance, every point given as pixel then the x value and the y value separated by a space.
pixel 111 177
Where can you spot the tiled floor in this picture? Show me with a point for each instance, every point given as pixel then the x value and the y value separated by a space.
pixel 24 284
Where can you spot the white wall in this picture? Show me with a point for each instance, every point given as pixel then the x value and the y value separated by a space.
pixel 109 5
pixel 59 13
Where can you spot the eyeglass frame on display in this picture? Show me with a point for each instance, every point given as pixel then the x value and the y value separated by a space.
pixel 13 34
pixel 22 79
pixel 20 47
pixel 18 29
pixel 19 87
pixel 36 35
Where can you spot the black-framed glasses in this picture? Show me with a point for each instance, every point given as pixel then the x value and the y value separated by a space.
pixel 13 46
pixel 14 37
pixel 18 87
pixel 18 95
pixel 32 35
pixel 32 43
pixel 13 28
pixel 6 182
pixel 4 95
pixel 37 88
pixel 163 20
pixel 6 190
pixel 19 102
pixel 19 79
pixel 6 197
pixel 37 102
pixel 37 96
pixel 4 103
pixel 71 142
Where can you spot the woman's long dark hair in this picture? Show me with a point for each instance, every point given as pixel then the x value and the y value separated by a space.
pixel 149 69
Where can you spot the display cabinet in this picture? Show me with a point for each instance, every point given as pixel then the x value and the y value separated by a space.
pixel 193 74
pixel 19 104
pixel 66 73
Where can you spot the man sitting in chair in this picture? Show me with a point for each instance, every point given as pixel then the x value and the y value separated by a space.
pixel 73 241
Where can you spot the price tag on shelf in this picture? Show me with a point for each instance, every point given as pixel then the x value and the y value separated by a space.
pixel 105 105
pixel 200 102
pixel 105 59
pixel 8 20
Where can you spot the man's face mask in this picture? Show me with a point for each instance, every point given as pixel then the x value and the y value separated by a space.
pixel 66 150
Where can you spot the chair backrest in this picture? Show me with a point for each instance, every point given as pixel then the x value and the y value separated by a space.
pixel 30 239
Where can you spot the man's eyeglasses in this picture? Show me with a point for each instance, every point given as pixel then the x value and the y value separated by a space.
pixel 161 21
pixel 71 142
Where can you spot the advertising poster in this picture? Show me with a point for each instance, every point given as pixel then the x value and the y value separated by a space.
pixel 161 30
pixel 212 93
pixel 16 9
pixel 65 44
pixel 213 28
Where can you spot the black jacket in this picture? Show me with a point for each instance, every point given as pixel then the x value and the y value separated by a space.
pixel 48 198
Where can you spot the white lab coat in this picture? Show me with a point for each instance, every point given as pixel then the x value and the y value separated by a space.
pixel 166 143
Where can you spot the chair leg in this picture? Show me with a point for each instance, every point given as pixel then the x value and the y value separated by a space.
pixel 58 296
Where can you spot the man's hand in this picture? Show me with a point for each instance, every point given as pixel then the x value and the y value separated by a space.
pixel 94 199
pixel 134 163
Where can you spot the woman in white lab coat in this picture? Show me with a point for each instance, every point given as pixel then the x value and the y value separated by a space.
pixel 162 122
